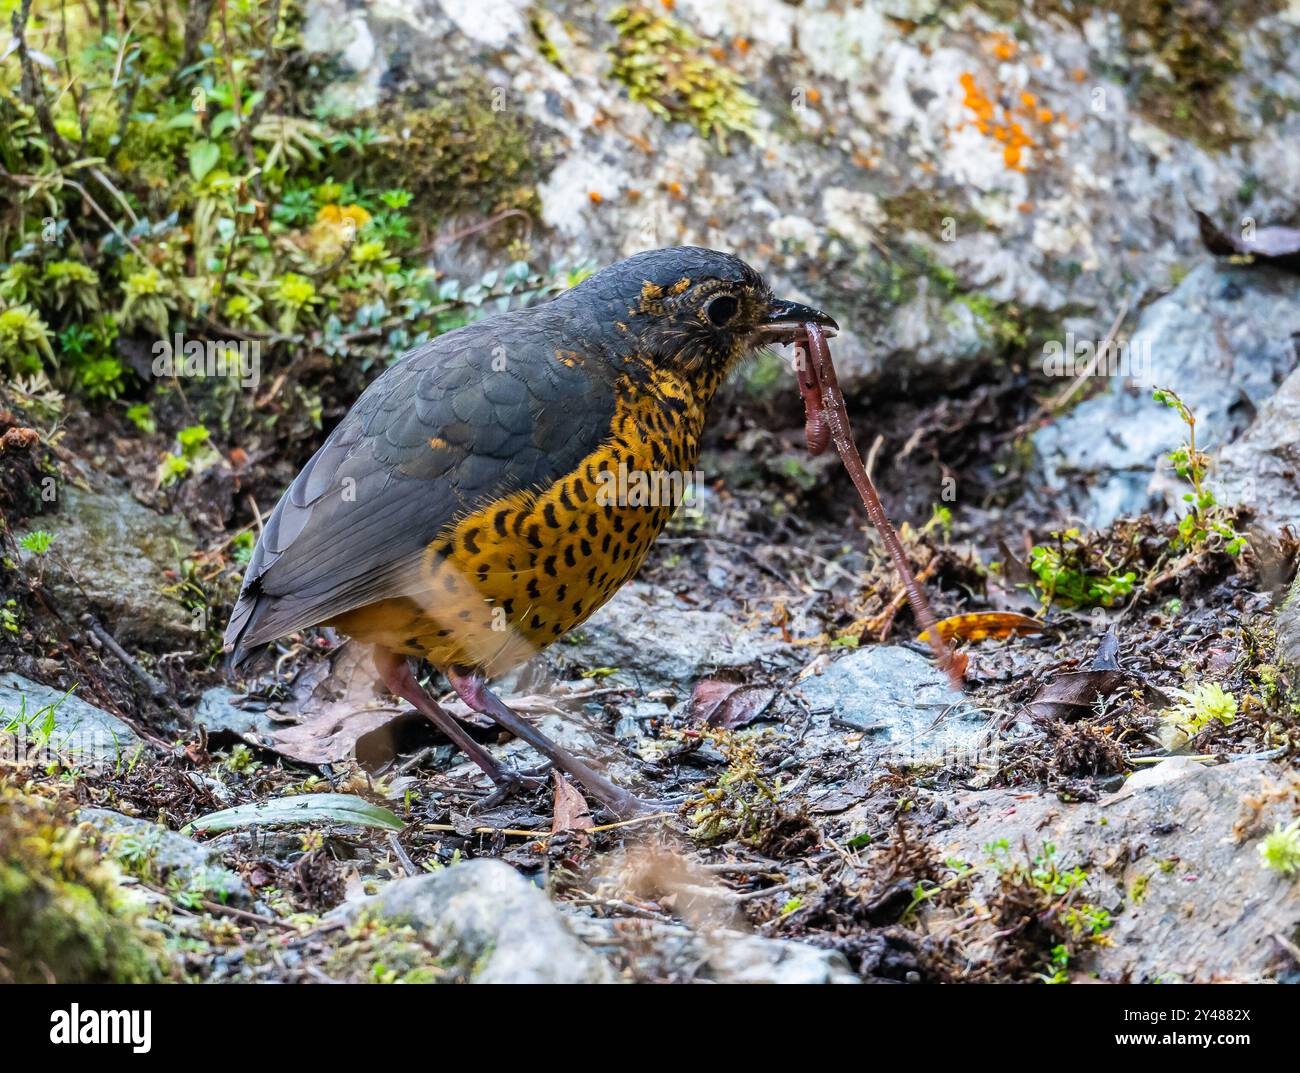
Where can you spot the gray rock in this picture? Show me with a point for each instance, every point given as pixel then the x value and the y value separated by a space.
pixel 902 702
pixel 652 640
pixel 484 914
pixel 716 955
pixel 1223 340
pixel 216 712
pixel 175 858
pixel 1186 836
pixel 109 555
pixel 1262 469
pixel 1288 627
pixel 80 729
pixel 881 156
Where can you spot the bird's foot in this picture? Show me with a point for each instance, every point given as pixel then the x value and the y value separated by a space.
pixel 627 806
pixel 509 783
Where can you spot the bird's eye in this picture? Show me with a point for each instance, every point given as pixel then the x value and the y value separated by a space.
pixel 721 310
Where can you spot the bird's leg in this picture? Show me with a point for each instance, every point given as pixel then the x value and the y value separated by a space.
pixel 396 674
pixel 474 692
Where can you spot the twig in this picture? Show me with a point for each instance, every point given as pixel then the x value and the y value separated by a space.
pixel 245 915
pixel 408 865
pixel 1066 395
pixel 196 25
pixel 473 229
pixel 33 89
pixel 749 896
pixel 58 180
pixel 544 836
pixel 156 689
pixel 268 78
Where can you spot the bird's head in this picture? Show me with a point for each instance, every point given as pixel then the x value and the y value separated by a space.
pixel 693 309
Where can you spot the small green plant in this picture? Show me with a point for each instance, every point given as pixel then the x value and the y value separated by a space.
pixel 1206 519
pixel 1039 902
pixel 1073 572
pixel 743 803
pixel 37 542
pixel 1058 966
pixel 24 340
pixel 1196 709
pixel 1280 850
pixel 941 520
pixel 195 452
pixel 241 760
pixel 39 723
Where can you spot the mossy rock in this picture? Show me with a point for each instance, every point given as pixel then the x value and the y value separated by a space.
pixel 466 150
pixel 64 916
pixel 1198 54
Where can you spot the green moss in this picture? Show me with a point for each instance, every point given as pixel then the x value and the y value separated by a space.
pixel 927 212
pixel 380 951
pixel 874 287
pixel 1189 55
pixel 459 154
pixel 669 70
pixel 537 24
pixel 63 914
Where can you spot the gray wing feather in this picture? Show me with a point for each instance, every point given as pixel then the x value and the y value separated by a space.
pixel 352 526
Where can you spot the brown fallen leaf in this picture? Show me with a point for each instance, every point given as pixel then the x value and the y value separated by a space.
pixel 572 813
pixel 981 624
pixel 1074 694
pixel 1278 246
pixel 726 704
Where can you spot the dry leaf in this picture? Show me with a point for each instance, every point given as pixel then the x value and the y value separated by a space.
pixel 1074 694
pixel 726 704
pixel 1278 246
pixel 981 624
pixel 572 813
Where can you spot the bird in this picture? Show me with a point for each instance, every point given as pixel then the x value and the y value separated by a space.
pixel 466 509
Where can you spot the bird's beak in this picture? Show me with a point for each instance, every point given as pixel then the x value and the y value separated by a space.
pixel 785 321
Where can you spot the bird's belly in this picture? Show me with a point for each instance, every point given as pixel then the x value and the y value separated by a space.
pixel 514 576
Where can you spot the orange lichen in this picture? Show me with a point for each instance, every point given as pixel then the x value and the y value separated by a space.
pixel 1006 128
pixel 596 197
pixel 1004 47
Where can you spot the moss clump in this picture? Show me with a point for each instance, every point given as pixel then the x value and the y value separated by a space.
pixel 377 951
pixel 458 154
pixel 1199 45
pixel 924 211
pixel 669 70
pixel 64 916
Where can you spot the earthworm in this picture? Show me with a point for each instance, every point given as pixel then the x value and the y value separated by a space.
pixel 815 430
pixel 827 417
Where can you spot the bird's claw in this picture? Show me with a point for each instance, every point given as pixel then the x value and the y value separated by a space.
pixel 510 783
pixel 632 807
